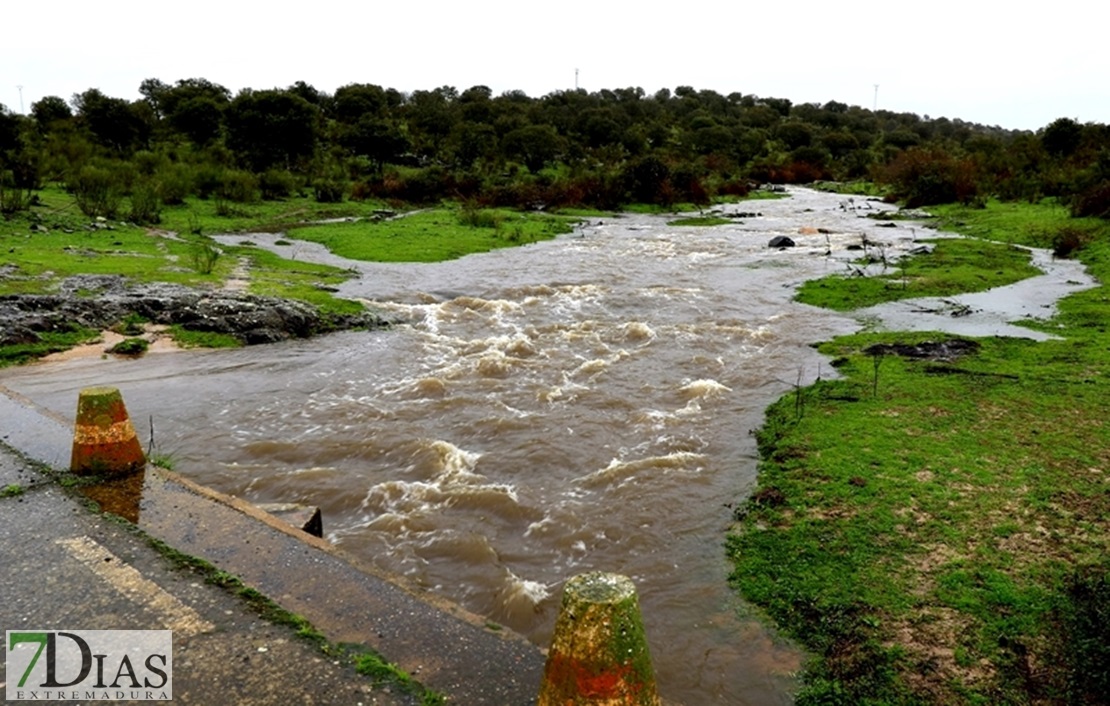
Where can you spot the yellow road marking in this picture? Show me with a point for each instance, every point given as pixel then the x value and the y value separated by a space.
pixel 127 580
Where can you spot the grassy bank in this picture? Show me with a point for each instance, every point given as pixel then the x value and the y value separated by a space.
pixel 951 267
pixel 435 234
pixel 934 530
pixel 53 241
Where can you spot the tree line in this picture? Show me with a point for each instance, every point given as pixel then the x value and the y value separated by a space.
pixel 603 149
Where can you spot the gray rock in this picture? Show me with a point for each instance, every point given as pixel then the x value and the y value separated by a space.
pixel 251 319
pixel 781 241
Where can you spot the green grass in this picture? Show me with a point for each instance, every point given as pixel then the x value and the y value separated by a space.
pixel 142 255
pixel 433 235
pixel 1020 223
pixel 41 260
pixel 937 531
pixel 203 339
pixel 757 195
pixel 12 490
pixel 261 216
pixel 48 343
pixel 700 221
pixel 130 347
pixel 854 188
pixel 953 267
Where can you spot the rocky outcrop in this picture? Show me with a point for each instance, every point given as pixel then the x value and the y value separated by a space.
pixel 101 301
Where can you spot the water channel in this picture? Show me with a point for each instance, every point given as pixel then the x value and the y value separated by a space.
pixel 577 404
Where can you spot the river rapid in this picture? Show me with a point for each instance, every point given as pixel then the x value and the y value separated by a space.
pixel 572 405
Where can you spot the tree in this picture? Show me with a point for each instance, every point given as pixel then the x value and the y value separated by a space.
pixel 198 118
pixel 470 142
pixel 309 93
pixel 534 145
pixel 153 92
pixel 794 134
pixel 114 123
pixel 9 129
pixel 272 128
pixel 382 141
pixel 353 101
pixel 1061 137
pixel 49 111
pixel 647 180
pixel 430 118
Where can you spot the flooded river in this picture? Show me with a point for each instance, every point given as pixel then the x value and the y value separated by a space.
pixel 572 405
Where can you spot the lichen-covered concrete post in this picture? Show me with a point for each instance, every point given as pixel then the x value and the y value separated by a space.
pixel 104 441
pixel 599 655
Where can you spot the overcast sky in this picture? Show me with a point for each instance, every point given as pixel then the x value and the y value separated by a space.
pixel 987 62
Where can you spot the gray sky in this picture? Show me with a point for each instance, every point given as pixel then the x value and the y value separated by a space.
pixel 987 62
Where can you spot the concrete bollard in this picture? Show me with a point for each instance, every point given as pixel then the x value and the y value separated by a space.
pixel 599 656
pixel 104 441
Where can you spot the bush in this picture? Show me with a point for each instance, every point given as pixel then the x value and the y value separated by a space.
pixel 98 191
pixel 146 206
pixel 208 180
pixel 12 197
pixel 474 217
pixel 130 325
pixel 1095 202
pixel 328 189
pixel 238 186
pixel 204 257
pixel 927 177
pixel 175 182
pixel 416 186
pixel 148 163
pixel 130 346
pixel 276 184
pixel 1068 240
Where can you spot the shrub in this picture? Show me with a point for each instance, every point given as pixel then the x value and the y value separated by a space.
pixel 130 346
pixel 735 187
pixel 238 186
pixel 276 184
pixel 1095 201
pixel 474 217
pixel 328 189
pixel 927 177
pixel 146 206
pixel 175 182
pixel 148 163
pixel 1068 240
pixel 98 191
pixel 362 190
pixel 204 257
pixel 130 325
pixel 12 197
pixel 207 180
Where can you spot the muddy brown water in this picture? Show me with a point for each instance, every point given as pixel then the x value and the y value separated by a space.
pixel 573 405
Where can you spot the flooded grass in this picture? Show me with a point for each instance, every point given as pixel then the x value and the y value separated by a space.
pixel 929 528
pixel 434 235
pixel 951 267
pixel 700 221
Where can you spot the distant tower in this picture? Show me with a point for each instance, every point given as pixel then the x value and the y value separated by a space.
pixel 20 99
pixel 576 79
pixel 875 105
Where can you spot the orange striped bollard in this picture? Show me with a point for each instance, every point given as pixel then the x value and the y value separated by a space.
pixel 104 441
pixel 599 656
